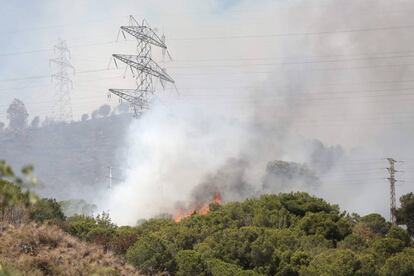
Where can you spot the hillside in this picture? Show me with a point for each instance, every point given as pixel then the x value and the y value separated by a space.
pixel 31 249
pixel 274 234
pixel 71 159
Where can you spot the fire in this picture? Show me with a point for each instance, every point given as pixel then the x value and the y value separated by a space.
pixel 202 210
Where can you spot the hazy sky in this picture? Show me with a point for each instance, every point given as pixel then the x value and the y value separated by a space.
pixel 29 29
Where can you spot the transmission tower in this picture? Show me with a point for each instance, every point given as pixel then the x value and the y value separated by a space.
pixel 392 180
pixel 142 66
pixel 63 83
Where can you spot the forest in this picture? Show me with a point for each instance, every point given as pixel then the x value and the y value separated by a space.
pixel 274 234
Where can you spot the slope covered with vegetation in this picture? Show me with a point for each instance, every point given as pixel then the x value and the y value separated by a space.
pixel 32 241
pixel 283 234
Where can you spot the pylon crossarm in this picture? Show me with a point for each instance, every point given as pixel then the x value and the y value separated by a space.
pixel 61 77
pixel 145 33
pixel 134 97
pixel 62 63
pixel 144 64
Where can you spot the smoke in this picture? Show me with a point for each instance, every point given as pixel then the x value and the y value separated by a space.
pixel 331 80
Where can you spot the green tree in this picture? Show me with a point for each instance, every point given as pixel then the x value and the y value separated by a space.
pixel 401 264
pixel 353 242
pixel 123 238
pixel 405 214
pixel 384 248
pixel 191 263
pixel 47 210
pixel 341 262
pixel 152 254
pixel 330 226
pixel 376 223
pixel 17 115
pixel 79 225
pixel 400 234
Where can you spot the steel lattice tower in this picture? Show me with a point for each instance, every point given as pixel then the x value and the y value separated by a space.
pixel 392 180
pixel 142 66
pixel 63 83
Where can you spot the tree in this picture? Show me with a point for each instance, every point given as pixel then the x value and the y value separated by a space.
pixel 48 122
pixel 35 122
pixel 94 114
pixel 376 223
pixel 17 115
pixel 401 264
pixel 405 214
pixel 191 263
pixel 84 117
pixel 123 107
pixel 2 125
pixel 47 210
pixel 400 234
pixel 152 254
pixel 341 262
pixel 104 110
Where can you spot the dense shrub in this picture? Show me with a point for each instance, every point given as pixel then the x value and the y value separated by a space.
pixel 47 210
pixel 285 234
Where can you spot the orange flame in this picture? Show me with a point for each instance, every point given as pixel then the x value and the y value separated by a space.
pixel 203 210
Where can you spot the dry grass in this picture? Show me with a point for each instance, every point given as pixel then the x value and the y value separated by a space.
pixel 47 250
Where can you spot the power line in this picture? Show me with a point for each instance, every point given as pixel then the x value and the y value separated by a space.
pixel 247 36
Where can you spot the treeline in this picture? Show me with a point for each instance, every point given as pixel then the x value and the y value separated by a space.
pixel 18 116
pixel 284 234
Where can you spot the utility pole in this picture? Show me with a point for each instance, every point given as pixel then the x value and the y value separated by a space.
pixel 63 84
pixel 392 180
pixel 142 65
pixel 110 178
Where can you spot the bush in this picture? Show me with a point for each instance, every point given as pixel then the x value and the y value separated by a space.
pixel 152 254
pixel 79 226
pixel 402 264
pixel 123 238
pixel 46 210
pixel 191 263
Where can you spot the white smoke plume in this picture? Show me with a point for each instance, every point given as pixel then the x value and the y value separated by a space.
pixel 337 66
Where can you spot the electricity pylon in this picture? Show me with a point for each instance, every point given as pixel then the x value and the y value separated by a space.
pixel 142 66
pixel 62 110
pixel 392 180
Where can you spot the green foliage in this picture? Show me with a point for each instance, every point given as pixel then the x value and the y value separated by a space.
pixel 405 214
pixel 98 230
pixel 285 234
pixel 77 207
pixel 123 238
pixel 152 254
pixel 400 234
pixel 220 268
pixel 79 225
pixel 191 263
pixel 47 210
pixel 301 203
pixel 353 242
pixel 341 262
pixel 330 226
pixel 384 248
pixel 376 223
pixel 401 264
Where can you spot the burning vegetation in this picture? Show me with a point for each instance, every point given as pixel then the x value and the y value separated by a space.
pixel 201 208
